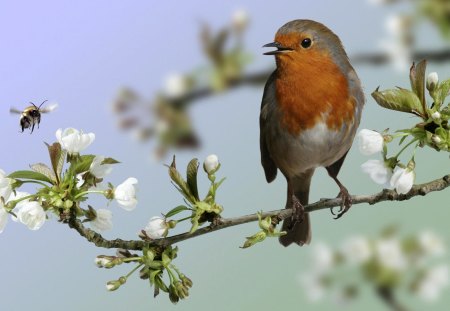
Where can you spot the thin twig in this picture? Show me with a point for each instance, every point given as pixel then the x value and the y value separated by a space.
pixel 385 195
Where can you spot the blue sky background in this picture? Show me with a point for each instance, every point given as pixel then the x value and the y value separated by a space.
pixel 80 53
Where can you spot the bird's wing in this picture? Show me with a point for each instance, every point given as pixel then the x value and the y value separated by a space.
pixel 270 168
pixel 14 110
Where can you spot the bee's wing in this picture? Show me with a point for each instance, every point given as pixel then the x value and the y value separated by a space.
pixel 14 110
pixel 49 108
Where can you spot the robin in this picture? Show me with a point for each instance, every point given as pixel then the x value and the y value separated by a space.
pixel 310 111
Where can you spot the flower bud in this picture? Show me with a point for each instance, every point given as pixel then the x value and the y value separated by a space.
pixel 211 164
pixel 186 281
pixel 74 141
pixel 432 81
pixel 436 139
pixel 436 115
pixel 115 284
pixel 173 295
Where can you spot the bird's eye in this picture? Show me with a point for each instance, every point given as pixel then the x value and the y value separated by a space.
pixel 306 43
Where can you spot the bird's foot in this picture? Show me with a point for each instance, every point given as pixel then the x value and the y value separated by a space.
pixel 298 212
pixel 346 203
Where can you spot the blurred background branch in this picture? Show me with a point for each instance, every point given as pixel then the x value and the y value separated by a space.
pixel 165 117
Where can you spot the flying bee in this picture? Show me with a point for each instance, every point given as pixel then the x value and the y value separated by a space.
pixel 31 115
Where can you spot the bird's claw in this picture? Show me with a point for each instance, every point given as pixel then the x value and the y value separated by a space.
pixel 298 212
pixel 346 203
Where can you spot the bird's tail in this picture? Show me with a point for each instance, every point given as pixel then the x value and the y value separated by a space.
pixel 300 233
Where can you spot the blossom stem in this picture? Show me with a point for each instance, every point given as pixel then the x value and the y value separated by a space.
pixel 183 219
pixel 406 146
pixel 14 202
pixel 89 191
pixel 134 270
pixel 131 259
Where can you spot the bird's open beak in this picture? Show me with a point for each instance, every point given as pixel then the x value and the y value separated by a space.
pixel 280 48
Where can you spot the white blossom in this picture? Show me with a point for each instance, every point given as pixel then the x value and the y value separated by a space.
pixel 431 243
pixel 74 141
pixel 98 169
pixel 31 214
pixel 156 228
pixel 402 180
pixel 5 185
pixel 356 250
pixel 176 85
pixel 435 280
pixel 125 194
pixel 390 255
pixel 378 172
pixel 211 163
pixel 103 221
pixel 370 142
pixel 432 80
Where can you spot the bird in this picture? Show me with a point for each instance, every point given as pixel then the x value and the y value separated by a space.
pixel 310 111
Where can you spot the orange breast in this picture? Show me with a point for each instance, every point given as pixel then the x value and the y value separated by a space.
pixel 310 89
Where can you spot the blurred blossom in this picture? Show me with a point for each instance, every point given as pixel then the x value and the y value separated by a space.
pixel 322 257
pixel 377 2
pixel 5 185
pixel 313 286
pixel 435 280
pixel 98 169
pixel 356 250
pixel 431 243
pixel 396 44
pixel 370 142
pixel 240 19
pixel 3 217
pixel 161 126
pixel 74 141
pixel 402 180
pixel 103 221
pixel 389 254
pixel 378 172
pixel 176 85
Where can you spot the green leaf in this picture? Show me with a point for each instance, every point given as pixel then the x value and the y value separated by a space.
pixel 44 170
pixel 55 153
pixel 417 79
pixel 177 210
pixel 30 175
pixel 61 161
pixel 399 100
pixel 191 175
pixel 180 182
pixel 82 164
pixel 109 161
pixel 444 90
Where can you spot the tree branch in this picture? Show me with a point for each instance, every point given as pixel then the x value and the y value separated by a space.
pixel 261 77
pixel 222 223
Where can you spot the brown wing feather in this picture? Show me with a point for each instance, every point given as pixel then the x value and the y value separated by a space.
pixel 270 168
